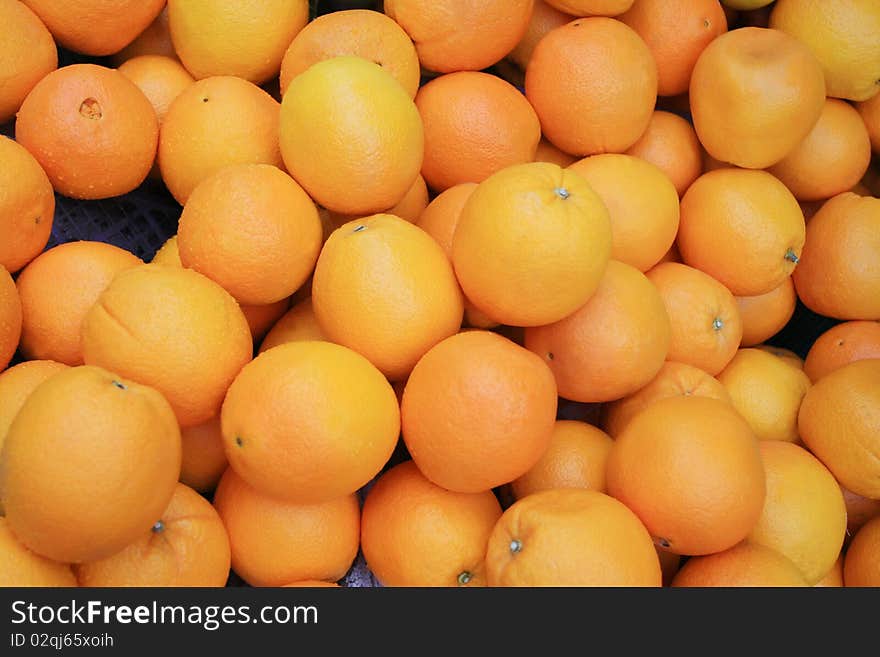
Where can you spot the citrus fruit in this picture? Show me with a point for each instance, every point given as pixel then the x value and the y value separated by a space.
pixel 834 577
pixel 203 459
pixel 10 318
pixel 154 40
pixel 744 565
pixel 545 17
pixel 841 344
pixel 869 110
pixel 764 315
pixel 16 385
pixel 670 143
pixel 27 53
pixel 861 567
pixel 20 567
pixel 298 323
pixel 592 7
pixel 161 78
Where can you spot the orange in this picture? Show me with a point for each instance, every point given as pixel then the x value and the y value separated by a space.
pixel 547 152
pixel 475 124
pixel 71 494
pixel 690 469
pixel 831 159
pixel 253 230
pixel 869 110
pixel 840 345
pixel 440 218
pixel 313 583
pixel 168 253
pixel 840 276
pixel 128 329
pixel 27 208
pixel 676 32
pixel 384 288
pixel 767 392
pixel 451 35
pixel 91 129
pixel 531 244
pixel 309 422
pixel 786 355
pixel 161 78
pixel 705 320
pixel 213 123
pixel 842 36
pixel 839 422
pixel 368 34
pixel 593 83
pixel 244 39
pixel 670 143
pixel 203 459
pixel 859 510
pixel 351 135
pixel 642 203
pixel 96 27
pixel 414 533
pixel 187 546
pixel 744 565
pixel 298 323
pixel 10 318
pixel 673 380
pixel 804 516
pixel 154 40
pixel 27 54
pixel 409 207
pixel 57 290
pixel 21 567
pixel 672 255
pixel 743 228
pixel 545 17
pixel 611 346
pixel 449 434
pixel 834 577
pixel 575 458
pixel 275 542
pixel 861 566
pixel 764 315
pixel 755 93
pixel 592 7
pixel 16 385
pixel 571 537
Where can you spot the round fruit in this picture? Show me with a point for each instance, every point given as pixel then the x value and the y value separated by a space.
pixel 531 244
pixel 764 315
pixel 187 546
pixel 670 143
pixel 203 459
pixel 571 537
pixel 869 110
pixel 611 346
pixel 861 567
pixel 73 495
pixel 309 422
pixel 743 228
pixel 842 344
pixel 545 17
pixel 415 533
pixel 298 323
pixel 593 83
pixel 275 542
pixel 27 55
pixel 592 7
pixel 440 218
pixel 244 39
pixel 58 289
pixel 384 288
pixel 16 385
pixel 834 577
pixel 690 469
pixel 161 78
pixel 804 516
pixel 154 40
pixel 10 318
pixel 755 93
pixel 839 421
pixel 744 565
pixel 213 123
pixel 20 567
pixel 128 329
pixel 450 435
pixel 27 207
pixel 859 510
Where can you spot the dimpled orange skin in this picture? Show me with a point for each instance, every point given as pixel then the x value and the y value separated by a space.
pixel 161 78
pixel 96 27
pixel 755 93
pixel 415 533
pixel 309 421
pixel 396 280
pixel 670 143
pixel 455 443
pixel 10 318
pixel 531 244
pixel 213 123
pixel 368 149
pixel 298 323
pixel 188 546
pixel 71 494
pixel 840 276
pixel 592 7
pixel 764 315
pixel 861 566
pixel 743 228
pixel 593 84
pixel 154 40
pixel 571 537
pixel 613 345
pixel 203 459
pixel 16 385
pixel 839 421
pixel 27 53
pixel 744 565
pixel 544 18
pixel 275 542
pixel 58 288
pixel 91 129
pixel 690 468
pixel 361 32
pixel 674 379
pixel 128 329
pixel 21 567
pixel 456 35
pixel 840 345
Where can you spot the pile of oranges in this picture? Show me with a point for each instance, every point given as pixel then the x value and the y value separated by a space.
pixel 479 290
